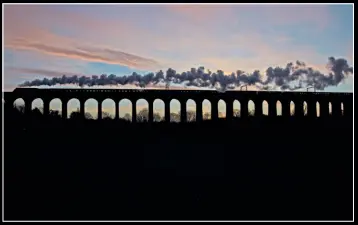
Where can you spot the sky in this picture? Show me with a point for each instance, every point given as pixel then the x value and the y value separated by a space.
pixel 52 40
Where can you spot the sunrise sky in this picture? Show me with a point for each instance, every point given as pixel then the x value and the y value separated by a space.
pixel 52 40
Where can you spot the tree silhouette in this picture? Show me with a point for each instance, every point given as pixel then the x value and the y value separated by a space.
pixel 88 116
pixel 206 116
pixel 190 116
pixel 128 117
pixel 55 114
pixel 175 117
pixel 20 108
pixel 236 113
pixel 142 115
pixel 106 116
pixel 157 117
pixel 36 112
pixel 76 115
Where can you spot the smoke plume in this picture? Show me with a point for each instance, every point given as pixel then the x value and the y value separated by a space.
pixel 294 76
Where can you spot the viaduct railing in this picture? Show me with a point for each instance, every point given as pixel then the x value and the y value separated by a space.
pixel 298 98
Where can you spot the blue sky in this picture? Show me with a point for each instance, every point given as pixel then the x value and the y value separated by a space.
pixel 43 40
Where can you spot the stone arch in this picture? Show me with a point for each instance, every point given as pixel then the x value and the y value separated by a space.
pixel 125 109
pixel 55 106
pixel 305 108
pixel 73 106
pixel 108 109
pixel 292 108
pixel 37 104
pixel 174 110
pixel 318 109
pixel 206 112
pixel 190 110
pixel 91 108
pixel 278 108
pixel 19 104
pixel 142 109
pixel 251 108
pixel 236 108
pixel 158 110
pixel 265 108
pixel 221 109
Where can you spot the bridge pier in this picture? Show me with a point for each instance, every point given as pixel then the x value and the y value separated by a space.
pixel 46 107
pixel 199 111
pixel 299 109
pixel 258 108
pixel 82 109
pixel 116 103
pixel 272 109
pixel 336 109
pixel 324 109
pixel 99 110
pixel 214 110
pixel 244 109
pixel 134 112
pixel 150 109
pixel 286 108
pixel 64 109
pixel 229 109
pixel 167 111
pixel 183 112
pixel 311 109
pixel 27 109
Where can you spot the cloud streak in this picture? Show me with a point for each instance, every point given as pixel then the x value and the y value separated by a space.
pixel 87 53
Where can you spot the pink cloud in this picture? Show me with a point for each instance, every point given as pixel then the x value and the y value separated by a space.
pixel 23 34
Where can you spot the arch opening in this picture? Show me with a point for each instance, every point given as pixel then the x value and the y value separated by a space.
pixel 190 110
pixel 251 108
pixel 342 108
pixel 221 109
pixel 108 109
pixel 37 106
pixel 317 109
pixel 292 108
pixel 142 107
pixel 125 109
pixel 158 110
pixel 56 107
pixel 265 110
pixel 206 106
pixel 305 109
pixel 91 109
pixel 236 109
pixel 73 108
pixel 278 108
pixel 174 111
pixel 19 104
pixel 330 108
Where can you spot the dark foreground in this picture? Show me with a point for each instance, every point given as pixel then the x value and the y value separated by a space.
pixel 263 169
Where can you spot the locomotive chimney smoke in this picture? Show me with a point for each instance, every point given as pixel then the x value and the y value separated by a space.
pixel 279 77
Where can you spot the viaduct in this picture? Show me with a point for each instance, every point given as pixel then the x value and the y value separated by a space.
pixel 298 98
